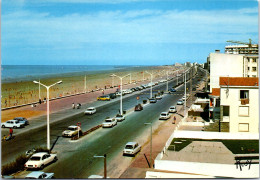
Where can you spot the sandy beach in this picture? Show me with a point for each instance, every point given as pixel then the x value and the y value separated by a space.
pixel 19 93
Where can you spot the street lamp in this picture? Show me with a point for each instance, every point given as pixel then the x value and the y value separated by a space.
pixel 151 74
pixel 48 110
pixel 151 140
pixel 121 100
pixel 112 75
pixel 105 164
pixel 167 80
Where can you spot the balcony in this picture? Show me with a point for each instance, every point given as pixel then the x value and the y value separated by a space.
pixel 244 101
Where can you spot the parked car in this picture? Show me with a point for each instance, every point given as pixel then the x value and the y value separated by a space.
pixel 184 98
pixel 131 148
pixel 72 131
pixel 22 120
pixel 119 117
pixel 172 109
pixel 40 175
pixel 180 102
pixel 165 115
pixel 172 90
pixel 112 95
pixel 118 93
pixel 90 110
pixel 138 107
pixel 158 97
pixel 103 98
pixel 109 122
pixel 12 124
pixel 152 100
pixel 40 160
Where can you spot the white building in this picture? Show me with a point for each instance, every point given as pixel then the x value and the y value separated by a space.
pixel 242 49
pixel 239 103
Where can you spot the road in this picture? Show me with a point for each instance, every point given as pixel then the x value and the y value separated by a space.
pixel 77 156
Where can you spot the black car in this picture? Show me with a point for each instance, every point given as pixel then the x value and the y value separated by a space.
pixel 138 107
pixel 112 95
pixel 22 120
pixel 172 90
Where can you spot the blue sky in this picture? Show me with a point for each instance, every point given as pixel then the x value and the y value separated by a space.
pixel 122 32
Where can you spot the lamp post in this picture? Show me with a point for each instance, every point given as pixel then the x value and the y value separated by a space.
pixel 151 140
pixel 112 75
pixel 130 78
pixel 85 80
pixel 105 164
pixel 121 100
pixel 151 74
pixel 39 90
pixel 185 96
pixel 48 110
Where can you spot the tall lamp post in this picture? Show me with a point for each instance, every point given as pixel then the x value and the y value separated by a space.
pixel 151 140
pixel 48 110
pixel 121 100
pixel 105 164
pixel 112 75
pixel 166 79
pixel 151 93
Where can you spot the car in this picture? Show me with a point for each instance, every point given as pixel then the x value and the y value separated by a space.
pixel 172 90
pixel 184 98
pixel 90 110
pixel 22 120
pixel 131 148
pixel 138 107
pixel 39 175
pixel 109 122
pixel 12 124
pixel 119 117
pixel 112 95
pixel 153 100
pixel 165 115
pixel 96 177
pixel 103 98
pixel 118 93
pixel 72 131
pixel 159 97
pixel 180 102
pixel 133 89
pixel 40 160
pixel 172 109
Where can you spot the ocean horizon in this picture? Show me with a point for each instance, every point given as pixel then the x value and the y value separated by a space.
pixel 17 73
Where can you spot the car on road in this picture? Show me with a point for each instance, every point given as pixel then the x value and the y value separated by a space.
pixel 109 122
pixel 138 107
pixel 172 109
pixel 131 148
pixel 40 160
pixel 165 116
pixel 12 124
pixel 158 97
pixel 153 100
pixel 184 98
pixel 22 120
pixel 112 95
pixel 90 110
pixel 119 117
pixel 103 98
pixel 40 175
pixel 180 102
pixel 172 90
pixel 72 131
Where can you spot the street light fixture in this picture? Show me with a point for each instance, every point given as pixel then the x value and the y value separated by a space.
pixel 151 74
pixel 105 164
pixel 121 100
pixel 151 140
pixel 48 110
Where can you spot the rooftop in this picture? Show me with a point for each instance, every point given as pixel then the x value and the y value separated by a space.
pixel 238 81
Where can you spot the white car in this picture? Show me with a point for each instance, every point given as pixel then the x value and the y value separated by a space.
pixel 40 175
pixel 90 110
pixel 109 122
pixel 119 117
pixel 180 102
pixel 172 109
pixel 131 148
pixel 72 131
pixel 183 98
pixel 12 124
pixel 40 160
pixel 165 115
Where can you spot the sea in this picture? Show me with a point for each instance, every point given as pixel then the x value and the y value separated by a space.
pixel 18 73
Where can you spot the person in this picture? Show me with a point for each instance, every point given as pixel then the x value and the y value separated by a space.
pixel 73 106
pixel 174 120
pixel 10 133
pixel 78 106
pixel 40 101
pixel 103 92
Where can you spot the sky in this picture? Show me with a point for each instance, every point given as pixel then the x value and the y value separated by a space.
pixel 122 32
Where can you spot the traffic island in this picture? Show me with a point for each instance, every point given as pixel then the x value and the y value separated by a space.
pixel 87 132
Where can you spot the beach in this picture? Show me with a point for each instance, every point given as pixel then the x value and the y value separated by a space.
pixel 24 92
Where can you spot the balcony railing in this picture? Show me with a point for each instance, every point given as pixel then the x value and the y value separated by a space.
pixel 244 101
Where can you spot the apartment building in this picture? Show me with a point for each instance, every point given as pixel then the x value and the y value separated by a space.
pixel 242 49
pixel 239 103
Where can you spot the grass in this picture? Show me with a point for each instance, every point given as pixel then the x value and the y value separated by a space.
pixel 235 146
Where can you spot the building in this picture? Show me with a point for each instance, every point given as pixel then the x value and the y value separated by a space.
pixel 239 103
pixel 242 49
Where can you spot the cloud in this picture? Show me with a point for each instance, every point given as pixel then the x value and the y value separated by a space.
pixel 41 30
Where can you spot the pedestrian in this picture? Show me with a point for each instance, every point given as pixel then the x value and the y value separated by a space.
pixel 10 133
pixel 40 101
pixel 103 92
pixel 73 106
pixel 174 120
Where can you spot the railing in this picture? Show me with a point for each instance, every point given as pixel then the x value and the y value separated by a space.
pixel 244 101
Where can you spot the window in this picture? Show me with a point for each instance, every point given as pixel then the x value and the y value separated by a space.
pixel 225 110
pixel 243 110
pixel 254 68
pixel 244 94
pixel 248 68
pixel 253 75
pixel 243 127
pixel 254 59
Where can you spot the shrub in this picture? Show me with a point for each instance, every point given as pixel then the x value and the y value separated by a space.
pixel 144 101
pixel 14 166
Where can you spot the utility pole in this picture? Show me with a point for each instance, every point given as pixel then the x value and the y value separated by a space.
pixel 85 80
pixel 191 86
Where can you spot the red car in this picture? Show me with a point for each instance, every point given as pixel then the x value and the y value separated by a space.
pixel 138 107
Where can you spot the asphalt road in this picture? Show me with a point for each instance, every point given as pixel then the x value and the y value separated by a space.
pixel 76 158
